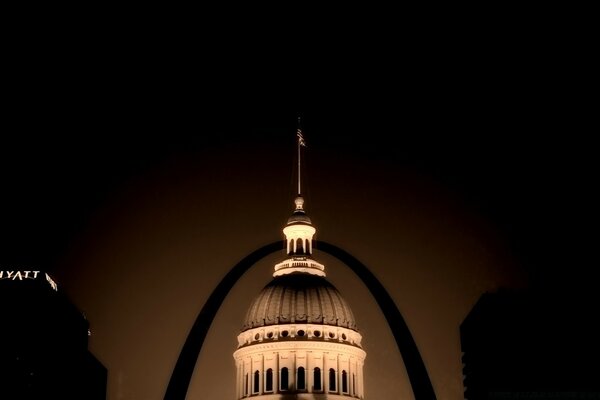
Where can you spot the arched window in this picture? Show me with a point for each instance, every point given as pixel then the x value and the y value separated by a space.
pixel 256 387
pixel 332 384
pixel 246 386
pixel 344 382
pixel 284 379
pixel 354 384
pixel 301 385
pixel 269 382
pixel 317 379
pixel 299 246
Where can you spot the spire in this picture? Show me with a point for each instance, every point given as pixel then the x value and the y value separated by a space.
pixel 299 232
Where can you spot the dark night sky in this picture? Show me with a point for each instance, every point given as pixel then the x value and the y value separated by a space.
pixel 518 161
pixel 497 133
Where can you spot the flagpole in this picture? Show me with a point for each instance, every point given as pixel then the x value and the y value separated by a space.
pixel 301 143
pixel 299 192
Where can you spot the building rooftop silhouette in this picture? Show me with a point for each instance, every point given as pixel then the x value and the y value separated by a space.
pixel 528 343
pixel 44 352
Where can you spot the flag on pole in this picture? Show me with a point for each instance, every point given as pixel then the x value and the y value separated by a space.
pixel 300 138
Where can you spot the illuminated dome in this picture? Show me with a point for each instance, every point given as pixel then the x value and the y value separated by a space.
pixel 299 298
pixel 299 340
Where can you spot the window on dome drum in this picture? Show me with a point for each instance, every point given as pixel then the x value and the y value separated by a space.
pixel 344 382
pixel 354 383
pixel 332 385
pixel 246 386
pixel 301 385
pixel 269 381
pixel 256 387
pixel 317 379
pixel 284 379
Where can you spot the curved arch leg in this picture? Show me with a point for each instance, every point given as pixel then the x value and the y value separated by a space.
pixel 184 368
pixel 415 368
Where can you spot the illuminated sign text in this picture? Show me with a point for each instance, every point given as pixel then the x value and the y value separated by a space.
pixel 22 275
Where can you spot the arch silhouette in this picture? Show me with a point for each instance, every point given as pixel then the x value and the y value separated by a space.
pixel 415 368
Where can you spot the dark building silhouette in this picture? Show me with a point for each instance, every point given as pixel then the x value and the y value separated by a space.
pixel 530 345
pixel 44 343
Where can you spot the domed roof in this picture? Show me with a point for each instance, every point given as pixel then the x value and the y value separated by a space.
pixel 299 217
pixel 299 298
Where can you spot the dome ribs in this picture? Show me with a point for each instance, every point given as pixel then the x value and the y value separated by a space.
pixel 286 305
pixel 329 313
pixel 350 318
pixel 264 315
pixel 293 305
pixel 300 314
pixel 272 311
pixel 251 315
pixel 316 311
pixel 299 298
pixel 339 308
